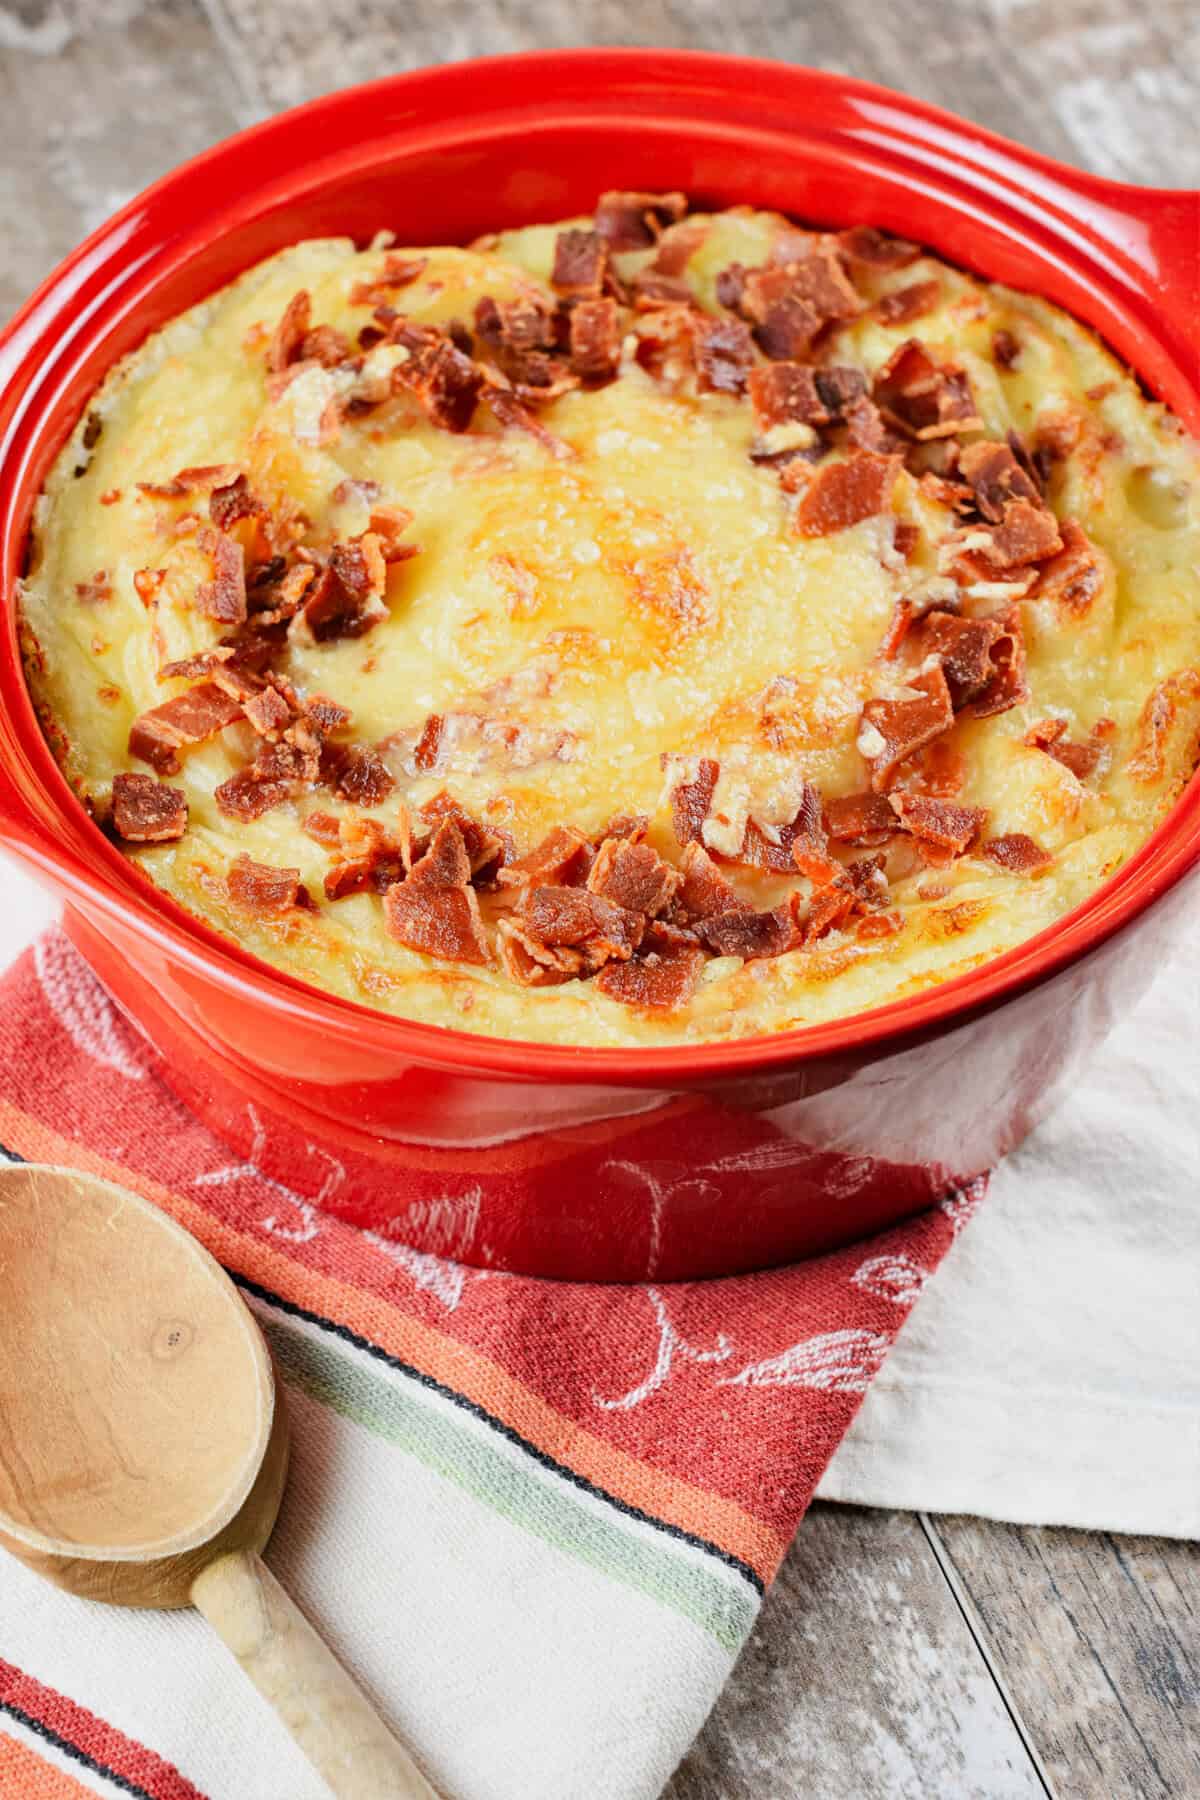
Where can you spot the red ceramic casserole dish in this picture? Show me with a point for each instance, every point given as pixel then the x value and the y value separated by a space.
pixel 592 1163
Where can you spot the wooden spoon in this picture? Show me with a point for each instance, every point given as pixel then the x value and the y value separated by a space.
pixel 143 1449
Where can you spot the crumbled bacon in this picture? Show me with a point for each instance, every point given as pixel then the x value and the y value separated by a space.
pixel 203 478
pixel 1007 687
pixel 1073 577
pixel 774 847
pixel 439 376
pixel 731 286
pixel 97 587
pixel 1005 349
pixel 324 344
pixel 785 393
pixel 893 730
pixel 625 825
pixel 275 599
pixel 425 755
pixel 995 476
pixel 273 777
pixel 486 849
pixel 595 340
pixel 903 304
pixel 290 332
pixel 876 250
pixel 369 862
pixel 346 598
pixel 633 876
pixel 388 523
pixel 575 918
pixel 866 819
pixel 749 934
pixel 652 290
pixel 841 494
pixel 324 828
pixel 436 910
pixel 263 890
pixel 704 891
pixel 1050 736
pixel 562 859
pixel 929 399
pixel 509 411
pixel 659 981
pixel 146 811
pixel 677 246
pixel 690 801
pixel 724 351
pixel 869 430
pixel 157 735
pixel 580 263
pixel 234 501
pixel 1027 532
pixel 939 822
pixel 359 774
pixel 963 647
pixel 632 221
pixel 224 597
pixel 397 272
pixel 1017 854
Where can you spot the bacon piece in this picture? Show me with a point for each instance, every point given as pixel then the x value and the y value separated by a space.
pixel 774 847
pixel 1027 532
pixel 580 263
pixel 843 493
pixel 370 860
pixel 677 246
pixel 731 286
pixel 397 272
pixel 534 964
pixel 509 411
pixel 224 597
pixel 659 981
pixel 704 891
pixel 785 323
pixel 146 811
pixel 346 598
pixel 326 715
pixel 893 730
pixel 290 332
pixel 995 476
pixel 1050 736
pixel 234 501
pixel 906 303
pixel 869 430
pixel 633 876
pixel 789 392
pixel 359 774
pixel 840 892
pixel 876 250
pixel 436 910
pixel 439 376
pixel 652 290
pixel 323 828
pixel 1005 349
pixel 562 859
pixel 263 890
pixel 1007 687
pixel 1073 577
pixel 1017 854
pixel 819 280
pixel 963 647
pixel 939 822
pixel 486 849
pixel 425 755
pixel 633 221
pixel 724 351
pixel 157 735
pixel 387 524
pixel 690 801
pixel 202 478
pixel 930 399
pixel 865 819
pixel 625 825
pixel 574 918
pixel 749 934
pixel 595 340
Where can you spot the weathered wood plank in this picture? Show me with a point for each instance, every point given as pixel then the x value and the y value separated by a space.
pixel 97 98
pixel 1098 1640
pixel 1093 81
pixel 861 1682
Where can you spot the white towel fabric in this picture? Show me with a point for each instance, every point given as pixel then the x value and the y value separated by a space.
pixel 1051 1373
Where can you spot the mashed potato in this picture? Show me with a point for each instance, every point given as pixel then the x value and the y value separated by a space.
pixel 662 523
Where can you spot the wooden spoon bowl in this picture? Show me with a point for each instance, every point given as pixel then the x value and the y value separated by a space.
pixel 144 1449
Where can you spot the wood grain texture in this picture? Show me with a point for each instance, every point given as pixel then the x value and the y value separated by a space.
pixel 1098 1640
pixel 861 1680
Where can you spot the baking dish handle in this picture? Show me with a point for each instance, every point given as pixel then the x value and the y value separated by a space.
pixel 1171 220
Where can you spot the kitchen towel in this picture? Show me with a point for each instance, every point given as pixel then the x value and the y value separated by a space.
pixel 535 1520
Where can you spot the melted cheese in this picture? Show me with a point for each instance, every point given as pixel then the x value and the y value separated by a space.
pixel 574 620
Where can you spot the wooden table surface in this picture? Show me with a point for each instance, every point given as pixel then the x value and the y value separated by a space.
pixel 898 1657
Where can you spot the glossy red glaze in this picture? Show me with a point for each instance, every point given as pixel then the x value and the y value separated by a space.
pixel 591 1163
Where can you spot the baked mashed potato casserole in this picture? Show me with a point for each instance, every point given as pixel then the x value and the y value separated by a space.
pixel 652 628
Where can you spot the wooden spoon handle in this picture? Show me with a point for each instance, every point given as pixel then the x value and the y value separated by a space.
pixel 297 1674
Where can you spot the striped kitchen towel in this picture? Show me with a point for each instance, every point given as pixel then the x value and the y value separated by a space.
pixel 535 1519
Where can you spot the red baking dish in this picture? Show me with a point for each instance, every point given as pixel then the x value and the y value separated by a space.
pixel 586 1163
